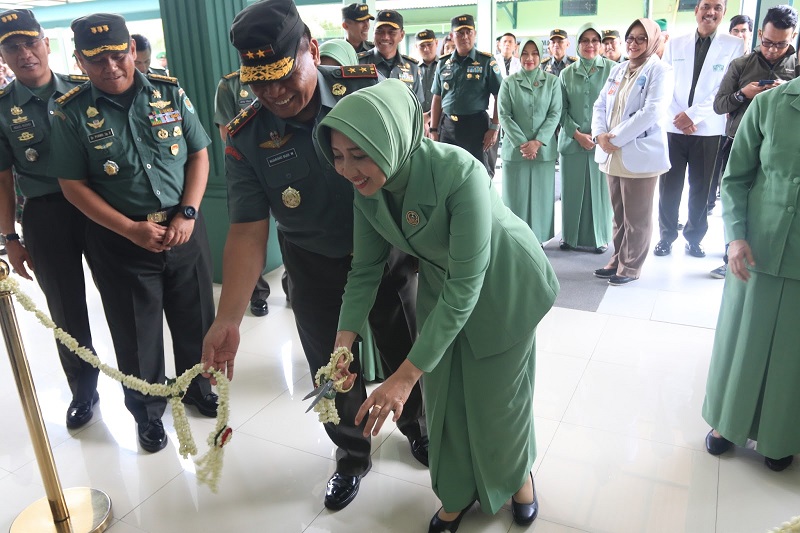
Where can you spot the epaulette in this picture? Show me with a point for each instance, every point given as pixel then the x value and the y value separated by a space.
pixel 357 71
pixel 365 53
pixel 234 74
pixel 78 78
pixel 487 54
pixel 546 60
pixel 8 89
pixel 410 59
pixel 574 59
pixel 69 95
pixel 159 77
pixel 244 116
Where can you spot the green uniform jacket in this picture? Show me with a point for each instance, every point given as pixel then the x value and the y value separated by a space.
pixel 400 67
pixel 529 107
pixel 231 97
pixel 579 95
pixel 761 186
pixel 465 83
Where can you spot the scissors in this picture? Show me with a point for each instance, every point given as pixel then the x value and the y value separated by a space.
pixel 320 392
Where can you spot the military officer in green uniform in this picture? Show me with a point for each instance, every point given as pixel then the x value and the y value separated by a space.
pixel 131 154
pixel 461 90
pixel 274 167
pixel 355 22
pixel 426 46
pixel 53 227
pixel 558 60
pixel 612 45
pixel 144 53
pixel 385 56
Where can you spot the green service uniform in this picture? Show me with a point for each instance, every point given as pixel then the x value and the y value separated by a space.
pixel 132 152
pixel 364 46
pixel 751 391
pixel 401 67
pixel 529 107
pixel 273 167
pixel 53 228
pixel 553 66
pixel 477 330
pixel 585 201
pixel 464 85
pixel 428 71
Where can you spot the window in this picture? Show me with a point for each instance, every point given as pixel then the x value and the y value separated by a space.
pixel 574 8
pixel 687 5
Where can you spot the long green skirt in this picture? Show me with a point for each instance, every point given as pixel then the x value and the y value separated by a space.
pixel 480 424
pixel 586 213
pixel 529 190
pixel 752 389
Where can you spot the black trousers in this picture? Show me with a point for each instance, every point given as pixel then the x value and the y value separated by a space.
pixel 316 286
pixel 720 164
pixel 467 132
pixel 699 153
pixel 139 288
pixel 54 232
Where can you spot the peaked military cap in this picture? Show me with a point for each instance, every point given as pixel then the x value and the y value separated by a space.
pixel 18 22
pixel 426 36
pixel 389 17
pixel 100 32
pixel 462 21
pixel 608 34
pixel 357 12
pixel 558 34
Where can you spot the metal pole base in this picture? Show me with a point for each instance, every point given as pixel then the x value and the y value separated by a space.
pixel 89 512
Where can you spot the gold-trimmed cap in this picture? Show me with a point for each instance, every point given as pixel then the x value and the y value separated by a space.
pixel 356 11
pixel 18 22
pixel 389 17
pixel 101 32
pixel 462 21
pixel 558 34
pixel 267 35
pixel 426 36
pixel 609 34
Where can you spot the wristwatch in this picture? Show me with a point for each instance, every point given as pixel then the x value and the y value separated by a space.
pixel 433 130
pixel 740 97
pixel 189 211
pixel 11 237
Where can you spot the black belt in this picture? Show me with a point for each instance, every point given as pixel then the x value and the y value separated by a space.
pixel 52 197
pixel 159 217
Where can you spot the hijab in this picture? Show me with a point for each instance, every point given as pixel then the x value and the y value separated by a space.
pixel 340 51
pixel 587 64
pixel 653 32
pixel 532 73
pixel 385 121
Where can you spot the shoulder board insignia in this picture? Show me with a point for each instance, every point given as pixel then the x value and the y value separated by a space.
pixel 234 74
pixel 244 116
pixel 8 89
pixel 546 60
pixel 573 58
pixel 69 95
pixel 359 71
pixel 410 59
pixel 364 54
pixel 78 78
pixel 487 54
pixel 159 77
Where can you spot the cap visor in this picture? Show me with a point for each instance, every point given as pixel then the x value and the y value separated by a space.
pixel 366 17
pixel 419 41
pixel 462 27
pixel 387 23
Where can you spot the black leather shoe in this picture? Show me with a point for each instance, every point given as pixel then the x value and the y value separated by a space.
pixel 620 280
pixel 564 246
pixel 79 413
pixel 341 490
pixel 207 405
pixel 419 449
pixel 663 248
pixel 525 513
pixel 605 273
pixel 717 445
pixel 679 226
pixel 438 525
pixel 601 249
pixel 259 307
pixel 778 464
pixel 151 436
pixel 695 250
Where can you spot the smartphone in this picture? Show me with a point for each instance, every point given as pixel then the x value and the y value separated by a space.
pixel 766 82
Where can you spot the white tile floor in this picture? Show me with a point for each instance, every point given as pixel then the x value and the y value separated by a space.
pixel 618 424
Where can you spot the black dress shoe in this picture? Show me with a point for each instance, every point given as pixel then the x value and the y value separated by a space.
pixel 79 413
pixel 620 280
pixel 605 273
pixel 151 436
pixel 695 250
pixel 779 464
pixel 438 525
pixel 717 445
pixel 525 513
pixel 341 490
pixel 663 248
pixel 259 307
pixel 564 246
pixel 601 249
pixel 419 449
pixel 206 404
pixel 679 226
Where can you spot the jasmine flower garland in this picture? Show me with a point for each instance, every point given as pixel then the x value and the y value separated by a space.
pixel 792 526
pixel 327 406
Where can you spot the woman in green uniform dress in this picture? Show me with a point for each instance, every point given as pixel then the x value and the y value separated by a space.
pixel 751 391
pixel 585 203
pixel 484 285
pixel 337 52
pixel 529 107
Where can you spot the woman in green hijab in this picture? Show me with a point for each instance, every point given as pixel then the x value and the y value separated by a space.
pixel 586 212
pixel 529 107
pixel 337 52
pixel 484 285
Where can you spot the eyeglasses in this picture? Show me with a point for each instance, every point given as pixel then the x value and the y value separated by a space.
pixel 641 39
pixel 589 41
pixel 13 48
pixel 766 43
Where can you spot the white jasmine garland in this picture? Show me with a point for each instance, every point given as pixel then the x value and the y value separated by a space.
pixel 327 406
pixel 792 526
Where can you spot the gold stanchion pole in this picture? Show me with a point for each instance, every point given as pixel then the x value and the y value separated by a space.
pixel 76 510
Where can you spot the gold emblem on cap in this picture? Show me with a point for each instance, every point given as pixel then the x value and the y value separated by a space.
pixel 96 123
pixel 412 218
pixel 161 104
pixel 177 131
pixel 174 149
pixel 156 94
pixel 243 94
pixel 291 197
pixel 27 136
pixel 338 89
pixel 16 111
pixel 446 86
pixel 31 155
pixel 92 112
pixel 162 133
pixel 100 29
pixel 9 18
pixel 110 168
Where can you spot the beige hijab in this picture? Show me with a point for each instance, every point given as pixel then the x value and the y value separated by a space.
pixel 653 32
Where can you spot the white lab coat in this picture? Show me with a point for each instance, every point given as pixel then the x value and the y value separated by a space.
pixel 514 67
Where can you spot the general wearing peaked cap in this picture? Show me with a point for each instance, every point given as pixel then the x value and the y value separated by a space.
pixel 100 32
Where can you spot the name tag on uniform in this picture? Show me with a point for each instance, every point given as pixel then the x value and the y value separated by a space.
pixel 100 135
pixel 282 157
pixel 474 70
pixel 28 124
pixel 158 119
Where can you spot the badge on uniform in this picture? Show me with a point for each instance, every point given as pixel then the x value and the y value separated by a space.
pixel 291 197
pixel 161 104
pixel 103 146
pixel 536 84
pixel 156 94
pixel 338 89
pixel 177 131
pixel 446 86
pixel 16 111
pixel 162 133
pixel 92 112
pixel 96 124
pixel 276 141
pixel 25 137
pixel 189 105
pixel 110 168
pixel 243 94
pixel 31 155
pixel 412 218
pixel 174 149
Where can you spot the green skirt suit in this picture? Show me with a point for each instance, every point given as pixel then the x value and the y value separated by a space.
pixel 484 285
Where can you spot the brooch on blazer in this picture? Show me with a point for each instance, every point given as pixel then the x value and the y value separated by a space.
pixel 412 218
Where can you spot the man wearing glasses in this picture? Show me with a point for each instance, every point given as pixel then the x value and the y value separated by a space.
pixel 770 65
pixel 53 227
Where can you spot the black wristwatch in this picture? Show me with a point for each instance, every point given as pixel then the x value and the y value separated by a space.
pixel 740 97
pixel 189 212
pixel 11 237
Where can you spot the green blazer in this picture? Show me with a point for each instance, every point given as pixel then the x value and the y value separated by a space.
pixel 580 91
pixel 529 107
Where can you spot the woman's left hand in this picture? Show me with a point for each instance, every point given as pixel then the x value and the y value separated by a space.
pixel 389 397
pixel 604 141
